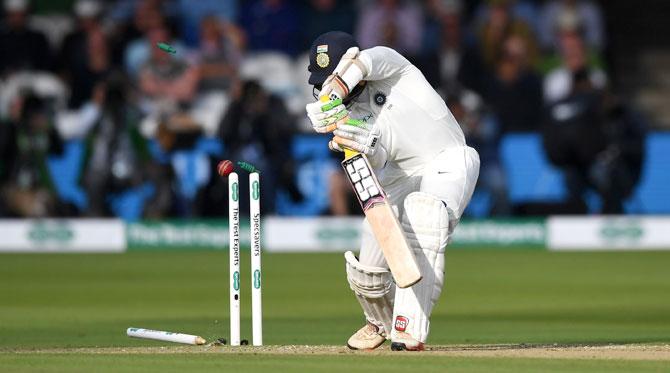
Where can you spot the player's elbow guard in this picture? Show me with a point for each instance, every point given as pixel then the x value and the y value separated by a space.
pixel 348 73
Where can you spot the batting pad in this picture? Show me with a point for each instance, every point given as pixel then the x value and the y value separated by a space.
pixel 426 226
pixel 374 289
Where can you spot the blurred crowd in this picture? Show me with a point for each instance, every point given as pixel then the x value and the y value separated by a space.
pixel 83 80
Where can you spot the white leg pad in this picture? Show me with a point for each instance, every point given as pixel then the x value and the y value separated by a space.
pixel 426 226
pixel 374 289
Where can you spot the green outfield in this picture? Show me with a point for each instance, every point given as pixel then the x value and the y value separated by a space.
pixel 50 305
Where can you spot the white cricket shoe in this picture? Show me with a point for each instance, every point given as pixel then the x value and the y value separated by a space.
pixel 404 342
pixel 366 338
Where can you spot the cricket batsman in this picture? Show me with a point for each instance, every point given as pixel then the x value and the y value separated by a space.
pixel 390 113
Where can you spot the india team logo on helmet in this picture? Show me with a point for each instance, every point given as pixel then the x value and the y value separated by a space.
pixel 325 52
pixel 401 323
pixel 322 60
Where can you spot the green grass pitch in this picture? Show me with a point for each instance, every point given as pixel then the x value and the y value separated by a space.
pixel 52 303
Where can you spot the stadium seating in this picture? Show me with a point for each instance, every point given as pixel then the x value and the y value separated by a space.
pixel 315 165
pixel 533 180
pixel 652 195
pixel 530 176
pixel 65 171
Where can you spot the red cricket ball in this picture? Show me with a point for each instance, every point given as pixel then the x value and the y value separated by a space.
pixel 225 167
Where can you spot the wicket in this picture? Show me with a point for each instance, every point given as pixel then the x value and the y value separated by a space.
pixel 255 222
pixel 234 257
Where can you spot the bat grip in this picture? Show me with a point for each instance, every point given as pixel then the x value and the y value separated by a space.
pixel 348 153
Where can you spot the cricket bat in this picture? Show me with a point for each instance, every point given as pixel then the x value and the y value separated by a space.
pixel 382 219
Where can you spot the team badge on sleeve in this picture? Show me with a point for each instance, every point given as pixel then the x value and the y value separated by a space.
pixel 380 98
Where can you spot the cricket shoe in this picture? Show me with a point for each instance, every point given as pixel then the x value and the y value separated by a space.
pixel 366 338
pixel 404 342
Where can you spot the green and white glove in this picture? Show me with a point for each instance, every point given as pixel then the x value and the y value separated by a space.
pixel 324 116
pixel 356 135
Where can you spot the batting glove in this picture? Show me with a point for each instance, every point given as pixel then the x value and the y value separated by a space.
pixel 356 135
pixel 324 117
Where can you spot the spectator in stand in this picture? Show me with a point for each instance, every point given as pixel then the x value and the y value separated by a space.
pixel 482 130
pixel 118 159
pixel 598 143
pixel 321 16
pixel 85 56
pixel 192 13
pixel 394 23
pixel 218 58
pixel 574 58
pixel 21 48
pixel 481 59
pixel 523 10
pixel 168 86
pixel 258 128
pixel 123 11
pixel 585 15
pixel 514 89
pixel 161 68
pixel 271 25
pixel 220 54
pixel 442 44
pixel 139 50
pixel 131 20
pixel 27 187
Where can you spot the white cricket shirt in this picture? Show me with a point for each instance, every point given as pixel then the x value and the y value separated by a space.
pixel 414 121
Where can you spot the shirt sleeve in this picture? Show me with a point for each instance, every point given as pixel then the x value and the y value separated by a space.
pixel 383 62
